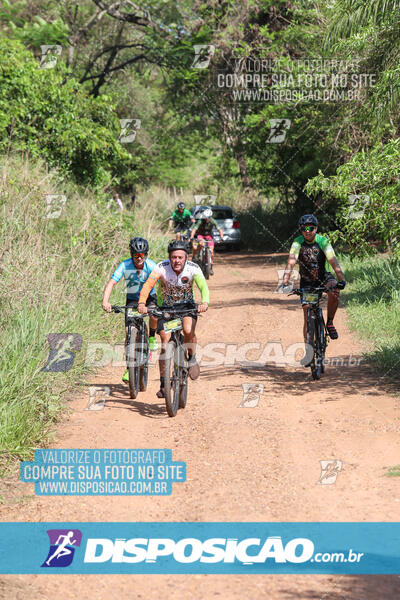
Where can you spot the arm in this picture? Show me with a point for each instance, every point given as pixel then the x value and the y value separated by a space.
pixel 205 293
pixel 215 224
pixel 194 228
pixel 146 289
pixel 336 267
pixel 171 222
pixel 115 277
pixel 107 293
pixel 293 256
pixel 332 260
pixel 289 268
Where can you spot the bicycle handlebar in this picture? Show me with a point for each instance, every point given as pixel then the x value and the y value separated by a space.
pixel 165 312
pixel 322 288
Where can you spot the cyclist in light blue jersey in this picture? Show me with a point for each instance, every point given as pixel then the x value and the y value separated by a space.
pixel 135 271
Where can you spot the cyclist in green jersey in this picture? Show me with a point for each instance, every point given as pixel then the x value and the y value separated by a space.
pixel 203 229
pixel 181 219
pixel 312 250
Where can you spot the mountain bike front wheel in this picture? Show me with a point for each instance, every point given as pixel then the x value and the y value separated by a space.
pixel 315 372
pixel 133 367
pixel 143 377
pixel 319 354
pixel 207 263
pixel 183 376
pixel 171 379
pixel 321 340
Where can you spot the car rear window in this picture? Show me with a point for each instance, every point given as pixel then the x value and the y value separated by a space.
pixel 222 213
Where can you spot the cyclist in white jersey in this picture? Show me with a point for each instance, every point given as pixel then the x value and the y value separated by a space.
pixel 175 278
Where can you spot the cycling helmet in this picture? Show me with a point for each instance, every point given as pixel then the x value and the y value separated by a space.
pixel 308 220
pixel 206 214
pixel 138 244
pixel 178 245
pixel 181 205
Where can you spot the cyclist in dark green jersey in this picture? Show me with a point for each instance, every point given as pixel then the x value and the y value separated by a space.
pixel 181 219
pixel 312 250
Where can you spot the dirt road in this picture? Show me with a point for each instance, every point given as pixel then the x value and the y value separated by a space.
pixel 245 463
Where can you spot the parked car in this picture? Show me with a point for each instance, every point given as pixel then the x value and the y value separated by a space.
pixel 228 222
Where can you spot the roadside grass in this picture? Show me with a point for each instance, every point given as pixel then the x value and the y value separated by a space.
pixel 394 471
pixel 373 304
pixel 53 272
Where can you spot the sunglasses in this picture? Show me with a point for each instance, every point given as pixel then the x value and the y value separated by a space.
pixel 139 255
pixel 308 228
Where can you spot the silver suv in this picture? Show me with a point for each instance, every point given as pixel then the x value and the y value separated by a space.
pixel 228 222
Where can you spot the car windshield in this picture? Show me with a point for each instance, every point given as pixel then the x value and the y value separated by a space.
pixel 222 213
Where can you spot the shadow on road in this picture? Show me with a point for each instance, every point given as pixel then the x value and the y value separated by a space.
pixel 119 398
pixel 344 373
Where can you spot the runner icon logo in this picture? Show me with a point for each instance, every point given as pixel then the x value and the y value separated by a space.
pixel 62 547
pixel 251 394
pixel 203 54
pixel 279 128
pixel 62 351
pixel 329 471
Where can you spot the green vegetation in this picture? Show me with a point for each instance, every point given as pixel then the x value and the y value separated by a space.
pixel 394 471
pixel 373 304
pixel 53 272
pixel 59 134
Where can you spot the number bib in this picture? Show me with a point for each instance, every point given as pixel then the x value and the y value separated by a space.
pixel 173 325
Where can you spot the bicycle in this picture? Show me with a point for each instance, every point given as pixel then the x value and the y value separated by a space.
pixel 317 333
pixel 205 259
pixel 137 350
pixel 176 367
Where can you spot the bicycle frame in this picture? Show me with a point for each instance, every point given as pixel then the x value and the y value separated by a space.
pixel 136 362
pixel 175 360
pixel 317 334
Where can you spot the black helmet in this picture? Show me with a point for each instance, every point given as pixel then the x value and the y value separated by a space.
pixel 178 245
pixel 308 220
pixel 181 205
pixel 138 244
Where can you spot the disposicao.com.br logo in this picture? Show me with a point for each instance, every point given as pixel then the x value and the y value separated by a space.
pixel 247 551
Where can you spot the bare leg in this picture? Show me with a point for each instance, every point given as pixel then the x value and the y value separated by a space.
pixel 189 336
pixel 333 302
pixel 305 323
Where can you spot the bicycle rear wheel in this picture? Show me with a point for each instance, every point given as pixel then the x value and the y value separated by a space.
pixel 133 368
pixel 171 379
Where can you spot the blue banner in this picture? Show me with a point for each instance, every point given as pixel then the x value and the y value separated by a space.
pixel 215 548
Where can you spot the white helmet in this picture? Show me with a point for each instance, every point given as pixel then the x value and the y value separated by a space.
pixel 206 214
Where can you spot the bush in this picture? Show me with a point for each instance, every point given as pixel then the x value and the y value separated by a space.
pixel 47 113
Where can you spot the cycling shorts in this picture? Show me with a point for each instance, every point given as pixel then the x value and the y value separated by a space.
pixel 161 320
pixel 205 237
pixel 313 284
pixel 181 227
